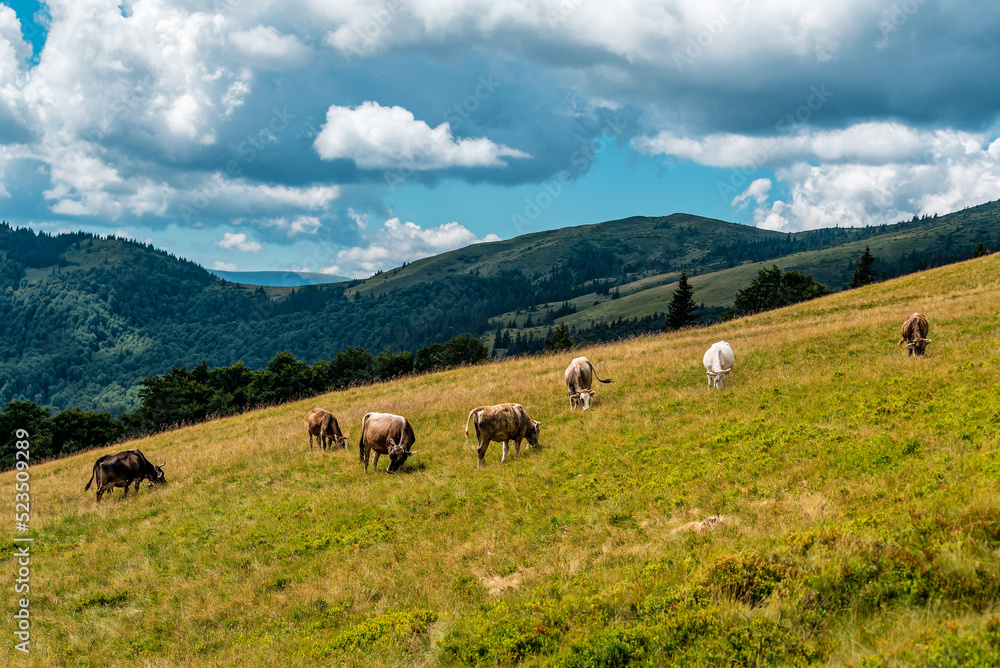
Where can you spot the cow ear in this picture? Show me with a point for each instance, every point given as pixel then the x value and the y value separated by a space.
pixel 575 396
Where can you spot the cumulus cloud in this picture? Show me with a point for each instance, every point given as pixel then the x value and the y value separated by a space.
pixel 870 143
pixel 397 242
pixel 266 47
pixel 238 242
pixel 377 137
pixel 757 192
pixel 868 173
pixel 224 266
pixel 295 226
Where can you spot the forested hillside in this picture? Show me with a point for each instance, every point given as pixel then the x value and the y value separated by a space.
pixel 84 318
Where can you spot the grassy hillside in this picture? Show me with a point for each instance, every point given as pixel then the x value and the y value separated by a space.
pixel 855 489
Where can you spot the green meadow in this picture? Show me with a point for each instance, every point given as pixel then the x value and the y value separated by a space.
pixel 837 504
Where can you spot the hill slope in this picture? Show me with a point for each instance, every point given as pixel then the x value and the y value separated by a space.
pixel 857 490
pixel 85 318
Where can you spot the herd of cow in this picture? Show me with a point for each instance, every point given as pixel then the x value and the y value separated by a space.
pixel 392 435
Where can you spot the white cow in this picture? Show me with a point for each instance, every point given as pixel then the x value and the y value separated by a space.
pixel 718 361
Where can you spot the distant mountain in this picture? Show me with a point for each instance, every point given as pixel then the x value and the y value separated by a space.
pixel 84 319
pixel 277 278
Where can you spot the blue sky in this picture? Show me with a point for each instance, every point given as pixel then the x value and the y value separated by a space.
pixel 354 135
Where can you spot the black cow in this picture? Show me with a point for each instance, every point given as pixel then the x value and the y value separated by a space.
pixel 121 470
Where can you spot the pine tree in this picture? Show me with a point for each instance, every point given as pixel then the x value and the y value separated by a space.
pixel 864 272
pixel 682 311
pixel 980 250
pixel 559 339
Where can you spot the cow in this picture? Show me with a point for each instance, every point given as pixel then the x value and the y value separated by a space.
pixel 122 469
pixel 386 434
pixel 580 375
pixel 502 423
pixel 324 426
pixel 718 361
pixel 915 330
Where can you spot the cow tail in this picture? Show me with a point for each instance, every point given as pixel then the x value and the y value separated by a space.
pixel 361 440
pixel 92 475
pixel 467 421
pixel 594 371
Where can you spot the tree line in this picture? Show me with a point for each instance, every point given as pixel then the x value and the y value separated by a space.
pixel 188 396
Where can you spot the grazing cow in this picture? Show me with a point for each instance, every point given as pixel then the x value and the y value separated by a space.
pixel 914 332
pixel 386 434
pixel 325 428
pixel 502 423
pixel 718 361
pixel 122 469
pixel 580 375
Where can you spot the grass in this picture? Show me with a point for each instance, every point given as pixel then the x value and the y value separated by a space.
pixel 856 491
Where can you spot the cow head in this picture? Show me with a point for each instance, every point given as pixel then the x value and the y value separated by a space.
pixel 341 442
pixel 156 476
pixel 917 346
pixel 532 433
pixel 584 398
pixel 720 377
pixel 397 456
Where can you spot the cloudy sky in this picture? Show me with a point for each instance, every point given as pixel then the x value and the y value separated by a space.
pixel 348 136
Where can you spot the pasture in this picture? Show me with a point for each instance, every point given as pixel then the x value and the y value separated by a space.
pixel 838 503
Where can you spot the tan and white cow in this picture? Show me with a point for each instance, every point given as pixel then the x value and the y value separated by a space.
pixel 324 426
pixel 580 374
pixel 502 423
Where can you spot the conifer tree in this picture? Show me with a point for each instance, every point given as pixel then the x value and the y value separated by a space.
pixel 864 272
pixel 682 310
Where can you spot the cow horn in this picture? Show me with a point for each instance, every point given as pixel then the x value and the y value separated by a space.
pixel 411 452
pixel 727 370
pixel 926 340
pixel 163 464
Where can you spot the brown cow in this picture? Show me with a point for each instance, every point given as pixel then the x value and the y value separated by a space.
pixel 502 423
pixel 324 426
pixel 121 470
pixel 914 334
pixel 580 375
pixel 386 434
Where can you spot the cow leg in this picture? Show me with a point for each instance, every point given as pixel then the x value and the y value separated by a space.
pixel 375 456
pixel 517 446
pixel 127 483
pixel 310 441
pixel 483 447
pixel 506 449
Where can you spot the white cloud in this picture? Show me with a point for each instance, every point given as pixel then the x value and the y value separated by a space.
pixel 757 191
pixel 868 173
pixel 238 242
pixel 264 46
pixel 397 242
pixel 377 137
pixel 854 194
pixel 296 226
pixel 871 143
pixel 224 266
